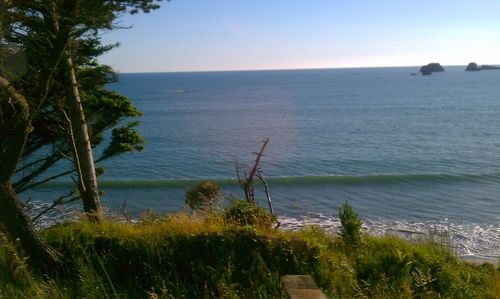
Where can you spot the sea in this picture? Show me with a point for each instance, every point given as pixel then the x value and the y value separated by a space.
pixel 416 156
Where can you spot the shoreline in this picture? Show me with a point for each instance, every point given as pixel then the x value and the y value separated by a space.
pixel 479 260
pixel 476 250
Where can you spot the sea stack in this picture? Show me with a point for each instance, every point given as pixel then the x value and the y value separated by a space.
pixel 472 67
pixel 431 68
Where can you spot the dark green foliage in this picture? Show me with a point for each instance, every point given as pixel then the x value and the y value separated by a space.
pixel 389 266
pixel 123 139
pixel 185 257
pixel 41 118
pixel 104 110
pixel 351 225
pixel 238 262
pixel 12 61
pixel 242 212
pixel 202 196
pixel 28 29
pixel 13 271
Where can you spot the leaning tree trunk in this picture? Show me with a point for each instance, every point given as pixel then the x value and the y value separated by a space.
pixel 13 218
pixel 84 160
pixel 19 228
pixel 82 152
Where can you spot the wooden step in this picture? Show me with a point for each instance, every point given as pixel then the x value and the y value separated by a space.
pixel 302 287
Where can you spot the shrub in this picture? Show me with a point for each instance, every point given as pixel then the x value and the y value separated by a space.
pixel 202 196
pixel 242 212
pixel 351 225
pixel 148 217
pixel 183 257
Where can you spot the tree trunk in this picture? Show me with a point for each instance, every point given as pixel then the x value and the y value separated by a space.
pixel 19 228
pixel 13 218
pixel 82 154
pixel 84 161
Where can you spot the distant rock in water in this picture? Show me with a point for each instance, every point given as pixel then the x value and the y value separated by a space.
pixel 431 68
pixel 474 67
pixel 490 67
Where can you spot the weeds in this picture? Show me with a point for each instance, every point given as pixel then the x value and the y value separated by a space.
pixel 207 256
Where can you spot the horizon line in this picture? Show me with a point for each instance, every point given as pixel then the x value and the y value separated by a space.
pixel 286 69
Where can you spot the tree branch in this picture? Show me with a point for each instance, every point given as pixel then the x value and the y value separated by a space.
pixel 55 203
pixel 45 180
pixel 26 179
pixel 14 148
pixel 266 190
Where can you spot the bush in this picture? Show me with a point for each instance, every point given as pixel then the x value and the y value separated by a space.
pixel 351 225
pixel 242 212
pixel 202 196
pixel 183 256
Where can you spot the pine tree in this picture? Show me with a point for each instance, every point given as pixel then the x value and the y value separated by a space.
pixel 47 33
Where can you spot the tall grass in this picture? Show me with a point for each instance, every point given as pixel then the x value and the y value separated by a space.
pixel 214 256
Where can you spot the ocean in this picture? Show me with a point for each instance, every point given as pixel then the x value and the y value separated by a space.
pixel 414 155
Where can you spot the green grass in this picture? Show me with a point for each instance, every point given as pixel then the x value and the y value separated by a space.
pixel 211 256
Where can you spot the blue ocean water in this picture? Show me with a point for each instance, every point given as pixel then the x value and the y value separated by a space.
pixel 411 152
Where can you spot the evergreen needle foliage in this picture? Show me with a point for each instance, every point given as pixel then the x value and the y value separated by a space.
pixel 351 225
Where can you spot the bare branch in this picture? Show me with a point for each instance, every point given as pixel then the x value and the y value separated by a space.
pixel 257 160
pixel 27 178
pixel 80 184
pixel 266 190
pixel 45 180
pixel 57 202
pixel 248 184
pixel 238 173
pixel 125 211
pixel 33 163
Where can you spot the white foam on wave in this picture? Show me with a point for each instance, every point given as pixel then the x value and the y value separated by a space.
pixel 52 216
pixel 465 239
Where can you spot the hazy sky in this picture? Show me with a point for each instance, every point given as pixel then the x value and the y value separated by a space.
pixel 200 35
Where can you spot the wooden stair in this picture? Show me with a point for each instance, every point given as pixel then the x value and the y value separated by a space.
pixel 302 287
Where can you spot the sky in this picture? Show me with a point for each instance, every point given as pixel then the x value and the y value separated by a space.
pixel 203 35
